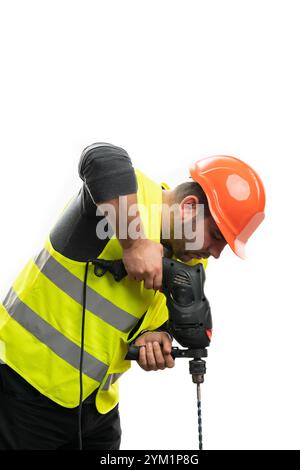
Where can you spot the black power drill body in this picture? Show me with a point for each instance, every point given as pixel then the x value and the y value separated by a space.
pixel 189 322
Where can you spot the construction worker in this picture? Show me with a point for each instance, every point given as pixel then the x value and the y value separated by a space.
pixel 64 332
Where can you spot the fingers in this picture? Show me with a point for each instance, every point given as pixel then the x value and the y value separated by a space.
pixel 135 277
pixel 157 281
pixel 143 262
pixel 153 357
pixel 167 350
pixel 150 282
pixel 166 344
pixel 154 281
pixel 169 361
pixel 147 358
pixel 159 358
pixel 143 358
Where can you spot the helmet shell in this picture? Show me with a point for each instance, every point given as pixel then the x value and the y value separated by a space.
pixel 236 197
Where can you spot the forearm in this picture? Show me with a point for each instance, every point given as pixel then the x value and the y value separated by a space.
pixel 115 196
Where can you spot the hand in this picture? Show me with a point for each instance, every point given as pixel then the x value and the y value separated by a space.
pixel 155 352
pixel 143 262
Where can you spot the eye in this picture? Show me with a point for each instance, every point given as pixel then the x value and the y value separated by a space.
pixel 217 235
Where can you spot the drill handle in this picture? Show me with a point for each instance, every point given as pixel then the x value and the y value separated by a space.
pixel 116 267
pixel 134 351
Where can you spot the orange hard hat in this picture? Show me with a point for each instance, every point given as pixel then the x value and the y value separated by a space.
pixel 235 195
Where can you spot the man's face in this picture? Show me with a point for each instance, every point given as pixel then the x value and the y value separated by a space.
pixel 212 241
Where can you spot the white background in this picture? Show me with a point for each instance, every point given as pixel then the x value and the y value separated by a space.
pixel 171 82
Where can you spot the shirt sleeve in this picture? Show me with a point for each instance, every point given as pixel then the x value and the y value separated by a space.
pixel 107 172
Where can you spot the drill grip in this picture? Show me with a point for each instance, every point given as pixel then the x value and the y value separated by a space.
pixel 133 353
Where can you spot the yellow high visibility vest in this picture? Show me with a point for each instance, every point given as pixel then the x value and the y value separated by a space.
pixel 40 318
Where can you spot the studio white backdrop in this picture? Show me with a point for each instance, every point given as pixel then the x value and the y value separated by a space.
pixel 171 82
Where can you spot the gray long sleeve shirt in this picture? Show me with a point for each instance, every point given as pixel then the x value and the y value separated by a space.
pixel 107 172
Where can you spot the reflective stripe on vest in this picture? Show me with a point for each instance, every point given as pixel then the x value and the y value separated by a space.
pixel 111 379
pixel 52 338
pixel 72 286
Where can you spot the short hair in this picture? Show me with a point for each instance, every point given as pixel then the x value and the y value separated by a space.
pixel 192 188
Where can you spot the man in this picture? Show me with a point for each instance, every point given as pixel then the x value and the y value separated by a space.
pixel 65 331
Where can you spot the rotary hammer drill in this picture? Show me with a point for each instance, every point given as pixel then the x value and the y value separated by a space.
pixel 190 321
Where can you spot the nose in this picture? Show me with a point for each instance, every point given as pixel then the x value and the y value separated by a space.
pixel 215 253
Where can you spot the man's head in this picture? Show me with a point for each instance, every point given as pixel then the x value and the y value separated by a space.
pixel 236 197
pixel 223 204
pixel 193 231
pixel 231 199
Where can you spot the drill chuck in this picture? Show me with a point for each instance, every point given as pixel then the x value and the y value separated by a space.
pixel 197 370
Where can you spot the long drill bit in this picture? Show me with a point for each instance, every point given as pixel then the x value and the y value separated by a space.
pixel 197 370
pixel 199 416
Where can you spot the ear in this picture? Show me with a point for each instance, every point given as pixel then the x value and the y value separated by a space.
pixel 188 207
